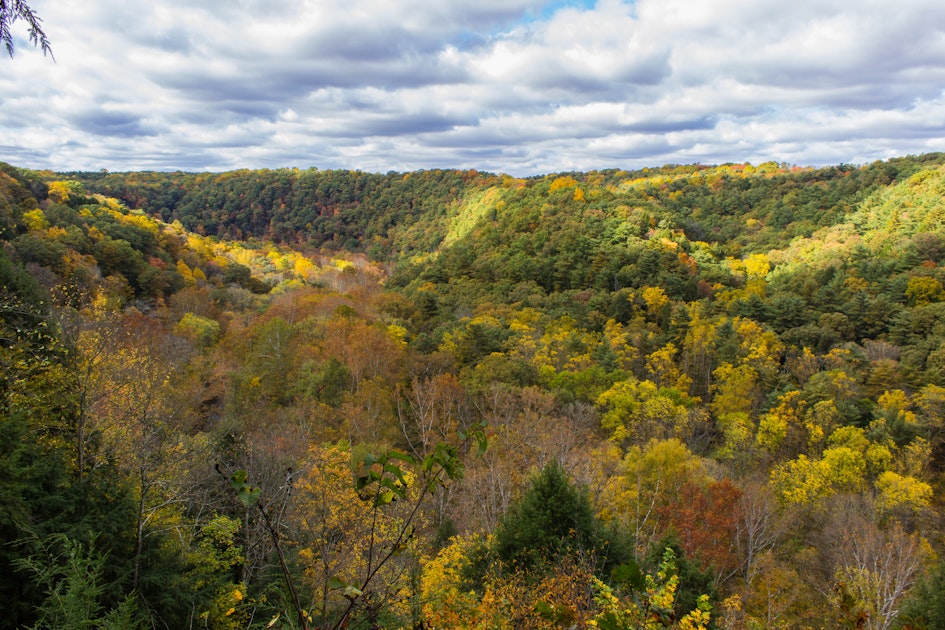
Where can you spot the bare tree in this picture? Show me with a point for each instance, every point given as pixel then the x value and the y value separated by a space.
pixel 874 566
pixel 757 529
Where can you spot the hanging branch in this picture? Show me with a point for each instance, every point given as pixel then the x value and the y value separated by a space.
pixel 13 10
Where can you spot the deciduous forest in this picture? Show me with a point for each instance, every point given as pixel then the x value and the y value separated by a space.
pixel 679 397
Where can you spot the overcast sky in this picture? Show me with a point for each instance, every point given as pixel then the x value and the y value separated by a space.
pixel 515 86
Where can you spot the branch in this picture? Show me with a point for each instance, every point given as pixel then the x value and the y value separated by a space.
pixel 15 10
pixel 251 496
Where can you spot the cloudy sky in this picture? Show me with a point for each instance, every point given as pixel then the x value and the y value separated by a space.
pixel 515 86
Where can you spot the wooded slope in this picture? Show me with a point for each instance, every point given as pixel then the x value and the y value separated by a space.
pixel 743 364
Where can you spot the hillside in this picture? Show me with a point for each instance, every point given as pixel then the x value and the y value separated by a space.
pixel 742 364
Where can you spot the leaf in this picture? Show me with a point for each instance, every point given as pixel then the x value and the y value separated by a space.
pixel 273 621
pixel 397 472
pixel 482 442
pixel 246 493
pixel 383 498
pixel 352 592
pixel 404 457
pixel 249 496
pixel 238 480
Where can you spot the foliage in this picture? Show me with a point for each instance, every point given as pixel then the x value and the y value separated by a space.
pixel 655 607
pixel 72 578
pixel 552 520
pixel 925 607
pixel 743 356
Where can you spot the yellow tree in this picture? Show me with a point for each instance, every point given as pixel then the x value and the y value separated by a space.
pixel 647 479
pixel 638 411
pixel 357 550
pixel 330 526
pixel 736 397
pixel 139 422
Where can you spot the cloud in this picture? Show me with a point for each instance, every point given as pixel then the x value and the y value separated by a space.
pixel 100 122
pixel 519 86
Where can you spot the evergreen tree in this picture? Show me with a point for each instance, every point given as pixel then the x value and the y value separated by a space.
pixel 554 518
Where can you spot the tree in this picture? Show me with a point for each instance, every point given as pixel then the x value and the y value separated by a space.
pixel 72 578
pixel 874 567
pixel 553 519
pixel 331 527
pixel 757 529
pixel 13 10
pixel 647 479
pixel 925 607
pixel 706 519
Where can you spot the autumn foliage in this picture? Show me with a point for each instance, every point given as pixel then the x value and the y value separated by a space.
pixel 689 396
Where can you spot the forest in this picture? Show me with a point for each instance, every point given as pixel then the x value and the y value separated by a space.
pixel 690 396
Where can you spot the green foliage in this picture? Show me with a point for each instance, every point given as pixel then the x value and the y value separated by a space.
pixel 553 519
pixel 925 607
pixel 71 577
pixel 203 330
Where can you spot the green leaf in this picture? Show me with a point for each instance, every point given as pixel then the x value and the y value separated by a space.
pixel 238 479
pixel 404 457
pixel 246 493
pixel 383 498
pixel 352 592
pixel 397 472
pixel 249 496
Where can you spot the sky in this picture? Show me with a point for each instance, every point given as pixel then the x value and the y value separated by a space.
pixel 523 87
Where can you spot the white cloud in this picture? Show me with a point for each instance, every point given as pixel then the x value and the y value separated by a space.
pixel 501 85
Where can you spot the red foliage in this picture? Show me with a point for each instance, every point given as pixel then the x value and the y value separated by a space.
pixel 705 518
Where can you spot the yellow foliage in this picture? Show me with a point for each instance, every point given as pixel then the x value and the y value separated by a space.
pixel 922 290
pixel 655 298
pixel 899 492
pixel 562 183
pixel 35 220
pixel 639 411
pixel 915 457
pixel 644 479
pixel 842 468
pixel 757 266
pixel 398 334
pixel 304 268
pixel 445 603
pixel 800 481
pixel 332 526
pixel 664 368
pixel 654 610
pixel 59 191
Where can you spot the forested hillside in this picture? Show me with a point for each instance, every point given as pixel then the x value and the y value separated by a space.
pixel 688 396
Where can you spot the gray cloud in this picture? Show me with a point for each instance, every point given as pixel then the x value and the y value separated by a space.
pixel 98 122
